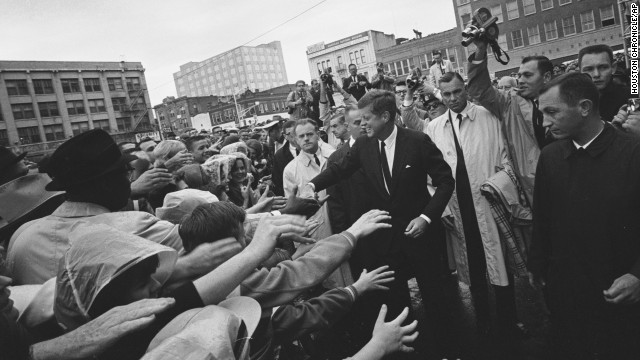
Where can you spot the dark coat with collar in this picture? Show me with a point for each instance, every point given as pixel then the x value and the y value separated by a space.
pixel 357 91
pixel 416 158
pixel 280 160
pixel 612 98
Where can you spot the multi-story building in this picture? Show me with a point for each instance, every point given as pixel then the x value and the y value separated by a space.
pixel 400 59
pixel 175 114
pixel 42 103
pixel 556 29
pixel 359 49
pixel 251 106
pixel 245 67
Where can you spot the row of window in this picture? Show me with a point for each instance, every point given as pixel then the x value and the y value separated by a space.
pixel 404 67
pixel 355 57
pixel 567 24
pixel 606 13
pixel 545 4
pixel 69 86
pixel 75 107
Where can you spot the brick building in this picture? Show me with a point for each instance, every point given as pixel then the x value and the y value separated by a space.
pixel 359 49
pixel 252 67
pixel 175 114
pixel 556 29
pixel 400 59
pixel 42 103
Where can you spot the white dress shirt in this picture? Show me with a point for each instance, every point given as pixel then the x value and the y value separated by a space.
pixel 584 147
pixel 456 122
pixel 352 141
pixel 390 149
pixel 292 149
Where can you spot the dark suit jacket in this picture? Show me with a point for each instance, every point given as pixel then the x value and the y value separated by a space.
pixel 281 158
pixel 358 91
pixel 348 198
pixel 416 157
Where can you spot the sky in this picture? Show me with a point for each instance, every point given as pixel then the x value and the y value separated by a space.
pixel 163 35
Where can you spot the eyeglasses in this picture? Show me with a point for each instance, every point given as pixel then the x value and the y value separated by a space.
pixel 433 106
pixel 401 92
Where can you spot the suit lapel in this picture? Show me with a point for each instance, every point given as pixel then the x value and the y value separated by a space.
pixel 398 159
pixel 374 147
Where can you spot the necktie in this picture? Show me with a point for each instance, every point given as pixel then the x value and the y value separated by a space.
pixel 386 174
pixel 297 152
pixel 355 80
pixel 315 157
pixel 538 129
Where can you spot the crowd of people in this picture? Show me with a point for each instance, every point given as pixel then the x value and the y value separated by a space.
pixel 273 241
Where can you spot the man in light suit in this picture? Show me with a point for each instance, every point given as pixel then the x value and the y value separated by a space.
pixel 396 163
pixel 440 67
pixel 355 84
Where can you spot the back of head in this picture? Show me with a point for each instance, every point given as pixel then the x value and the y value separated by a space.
pixel 507 81
pixel 211 222
pixel 595 49
pixel 574 87
pixel 178 204
pixel 230 140
pixel 450 76
pixel 193 139
pixel 381 101
pixel 167 149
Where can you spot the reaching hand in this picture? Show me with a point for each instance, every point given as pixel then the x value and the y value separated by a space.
pixel 624 290
pixel 208 256
pixel 96 336
pixel 391 337
pixel 300 206
pixel 370 222
pixel 374 280
pixel 179 160
pixel 416 227
pixel 269 230
pixel 150 180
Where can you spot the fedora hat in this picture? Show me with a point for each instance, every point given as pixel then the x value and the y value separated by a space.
pixel 8 158
pixel 83 158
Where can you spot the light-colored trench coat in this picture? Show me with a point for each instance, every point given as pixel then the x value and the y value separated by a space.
pixel 484 153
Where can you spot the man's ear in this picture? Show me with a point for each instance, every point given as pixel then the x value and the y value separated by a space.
pixel 547 76
pixel 614 67
pixel 585 107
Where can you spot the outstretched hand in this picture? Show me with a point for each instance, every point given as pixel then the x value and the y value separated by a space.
pixel 375 280
pixel 391 337
pixel 269 229
pixel 624 290
pixel 370 222
pixel 301 206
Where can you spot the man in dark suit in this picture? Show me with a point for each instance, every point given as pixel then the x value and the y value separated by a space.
pixel 283 156
pixel 396 163
pixel 355 84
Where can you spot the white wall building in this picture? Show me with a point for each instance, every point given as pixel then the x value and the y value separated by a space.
pixel 359 49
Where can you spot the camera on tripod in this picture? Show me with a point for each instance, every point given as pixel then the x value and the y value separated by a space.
pixel 326 76
pixel 483 27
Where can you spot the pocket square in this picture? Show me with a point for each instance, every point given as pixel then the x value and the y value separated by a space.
pixel 408 166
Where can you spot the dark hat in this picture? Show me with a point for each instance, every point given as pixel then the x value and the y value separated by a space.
pixel 8 158
pixel 83 158
pixel 428 99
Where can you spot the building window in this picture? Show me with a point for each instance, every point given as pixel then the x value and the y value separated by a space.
pixel 70 85
pixel 357 56
pixel 97 106
pixel 564 2
pixel 568 26
pixel 497 12
pixel 606 16
pixel 462 2
pixel 75 107
pixel 79 127
pixel 17 87
pixel 53 132
pixel 546 4
pixel 352 60
pixel 48 109
pixel 22 111
pixel 550 30
pixel 516 39
pixel 115 84
pixel 502 41
pixel 102 124
pixel 512 10
pixel 587 21
pixel 4 138
pixel 362 56
pixel 424 63
pixel 124 124
pixel 464 19
pixel 92 85
pixel 43 86
pixel 29 135
pixel 534 34
pixel 529 6
pixel 119 104
pixel 133 83
pixel 340 62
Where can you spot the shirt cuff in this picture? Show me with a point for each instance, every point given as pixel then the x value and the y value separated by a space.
pixel 349 237
pixel 426 218
pixel 275 213
pixel 476 62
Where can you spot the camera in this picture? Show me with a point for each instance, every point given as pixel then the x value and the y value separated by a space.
pixel 481 27
pixel 326 77
pixel 416 79
pixel 633 105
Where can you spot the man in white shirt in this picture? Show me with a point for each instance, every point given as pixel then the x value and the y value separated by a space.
pixel 441 67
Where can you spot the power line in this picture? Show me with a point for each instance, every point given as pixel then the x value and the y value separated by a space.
pixel 255 38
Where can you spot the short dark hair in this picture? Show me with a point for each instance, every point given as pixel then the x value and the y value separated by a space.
pixel 305 121
pixel 437 52
pixel 595 49
pixel 289 124
pixel 449 76
pixel 382 101
pixel 544 64
pixel 401 83
pixel 209 223
pixel 350 65
pixel 188 142
pixel 573 87
pixel 339 116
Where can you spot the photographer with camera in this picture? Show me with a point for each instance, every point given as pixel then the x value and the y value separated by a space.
pixel 299 101
pixel 413 116
pixel 355 84
pixel 440 67
pixel 381 80
pixel 628 118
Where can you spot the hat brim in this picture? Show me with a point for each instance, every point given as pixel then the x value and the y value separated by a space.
pixel 58 184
